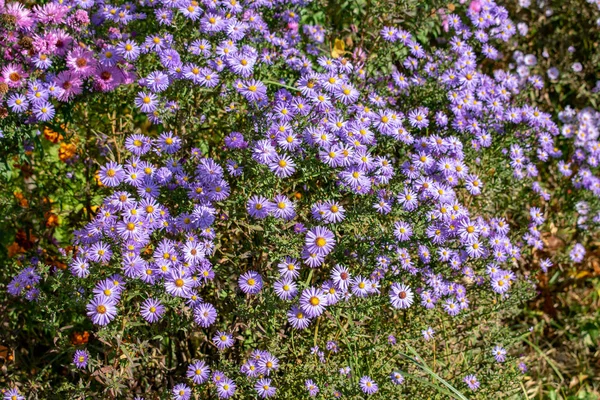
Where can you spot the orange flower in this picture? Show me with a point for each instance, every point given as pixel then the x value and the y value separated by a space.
pixel 51 219
pixel 14 249
pixel 51 135
pixel 79 338
pixel 22 200
pixel 66 151
pixel 97 178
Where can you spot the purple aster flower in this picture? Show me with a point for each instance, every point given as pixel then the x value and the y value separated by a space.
pixel 289 268
pixel 402 231
pixel 181 392
pixel 205 314
pixel 226 388
pixel 198 372
pixel 102 310
pixel 577 253
pixel 451 307
pixel 285 289
pixel 341 277
pixel 472 382
pixel 397 378
pixel 177 283
pixel 258 207
pixel 223 340
pixel 428 333
pixel 12 394
pixel 320 240
pixel 264 388
pixel 500 284
pixel 313 302
pixel 235 140
pixel 368 385
pixel 312 387
pixel 251 282
pixel 522 367
pixel 152 310
pixel 267 363
pixel 401 296
pixel 18 103
pixel 418 118
pixel 499 354
pixel 80 358
pixel 44 111
pixel 282 207
pixel 168 142
pixel 146 102
pixel 297 318
pixel 112 174
pixel 282 166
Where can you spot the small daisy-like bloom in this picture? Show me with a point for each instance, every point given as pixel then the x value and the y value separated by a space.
pixel 168 142
pixel 401 296
pixel 146 102
pixel 500 284
pixel 522 367
pixel 128 50
pixel 289 268
pixel 402 231
pixel 499 354
pixel 18 103
pixel 313 302
pixel 12 394
pixel 251 282
pixel 152 310
pixel 428 333
pixel 545 264
pixel 13 74
pixel 223 340
pixel 177 283
pixel 578 253
pixel 205 314
pixel 320 240
pixel 181 392
pixel 312 387
pixel 157 81
pixel 283 166
pixel 258 207
pixel 341 277
pixel 44 111
pixel 112 174
pixel 81 62
pixel 297 318
pixel 282 207
pixel 472 382
pixel 267 363
pixel 264 388
pixel 397 378
pixel 360 286
pixel 451 307
pixel 102 310
pixel 226 388
pixel 333 212
pixel 368 385
pixel 198 372
pixel 80 358
pixel 285 289
pixel 418 118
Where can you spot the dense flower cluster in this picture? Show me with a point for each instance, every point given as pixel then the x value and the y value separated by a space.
pixel 129 220
pixel 363 151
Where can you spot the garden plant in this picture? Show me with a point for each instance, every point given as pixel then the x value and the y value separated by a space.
pixel 292 199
